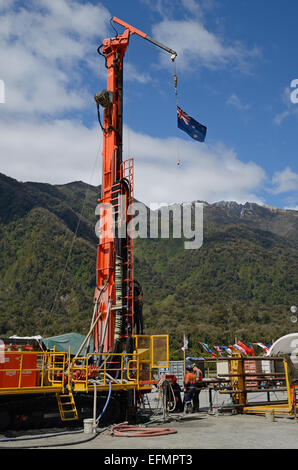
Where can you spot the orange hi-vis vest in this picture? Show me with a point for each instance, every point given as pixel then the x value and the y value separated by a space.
pixel 190 379
pixel 199 375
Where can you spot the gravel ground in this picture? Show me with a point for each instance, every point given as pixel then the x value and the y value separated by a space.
pixel 195 431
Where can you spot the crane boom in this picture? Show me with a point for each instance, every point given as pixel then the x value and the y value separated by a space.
pixel 145 36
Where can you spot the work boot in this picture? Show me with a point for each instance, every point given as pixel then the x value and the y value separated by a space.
pixel 188 407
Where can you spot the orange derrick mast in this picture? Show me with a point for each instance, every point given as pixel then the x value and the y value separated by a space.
pixel 118 297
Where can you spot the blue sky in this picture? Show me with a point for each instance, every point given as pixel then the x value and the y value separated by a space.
pixel 236 61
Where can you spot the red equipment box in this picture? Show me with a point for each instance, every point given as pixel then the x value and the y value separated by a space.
pixel 252 367
pixel 10 370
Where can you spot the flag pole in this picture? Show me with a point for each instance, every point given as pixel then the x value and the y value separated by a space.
pixel 184 352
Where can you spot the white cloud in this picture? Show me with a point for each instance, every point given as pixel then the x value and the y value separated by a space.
pixel 6 4
pixel 131 73
pixel 193 7
pixel 170 8
pixel 285 181
pixel 290 108
pixel 45 46
pixel 198 10
pixel 42 48
pixel 56 152
pixel 61 151
pixel 235 101
pixel 210 173
pixel 165 8
pixel 280 117
pixel 196 45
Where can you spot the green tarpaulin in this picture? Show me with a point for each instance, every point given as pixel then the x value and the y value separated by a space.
pixel 62 343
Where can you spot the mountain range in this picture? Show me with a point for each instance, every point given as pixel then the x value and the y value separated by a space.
pixel 239 285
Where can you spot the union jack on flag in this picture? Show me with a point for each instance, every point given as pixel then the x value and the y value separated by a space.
pixel 189 125
pixel 183 115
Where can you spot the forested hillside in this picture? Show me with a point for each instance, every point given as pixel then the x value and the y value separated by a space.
pixel 240 283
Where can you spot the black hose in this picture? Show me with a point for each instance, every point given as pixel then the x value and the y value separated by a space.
pixel 138 307
pixel 55 445
pixel 59 444
pixel 99 119
pixel 100 53
pixel 117 34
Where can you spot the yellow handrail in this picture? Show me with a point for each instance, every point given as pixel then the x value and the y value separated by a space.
pixel 83 368
pixel 29 370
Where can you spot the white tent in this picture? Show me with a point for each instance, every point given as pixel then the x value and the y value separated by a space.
pixel 286 345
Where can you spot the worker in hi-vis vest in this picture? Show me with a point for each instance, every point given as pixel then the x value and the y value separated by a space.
pixel 196 395
pixel 190 385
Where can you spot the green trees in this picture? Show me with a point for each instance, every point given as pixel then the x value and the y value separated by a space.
pixel 240 283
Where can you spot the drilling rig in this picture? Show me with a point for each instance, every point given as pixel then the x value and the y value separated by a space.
pixel 121 358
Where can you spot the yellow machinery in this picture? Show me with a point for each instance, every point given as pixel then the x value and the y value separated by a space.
pixel 51 372
pixel 243 381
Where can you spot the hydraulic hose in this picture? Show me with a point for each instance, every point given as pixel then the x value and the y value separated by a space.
pixel 106 404
pixel 54 445
pixel 43 436
pixel 39 436
pixel 125 430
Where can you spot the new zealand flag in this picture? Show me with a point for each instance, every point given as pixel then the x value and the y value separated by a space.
pixel 193 128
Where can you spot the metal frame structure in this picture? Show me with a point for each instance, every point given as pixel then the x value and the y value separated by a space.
pixel 239 384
